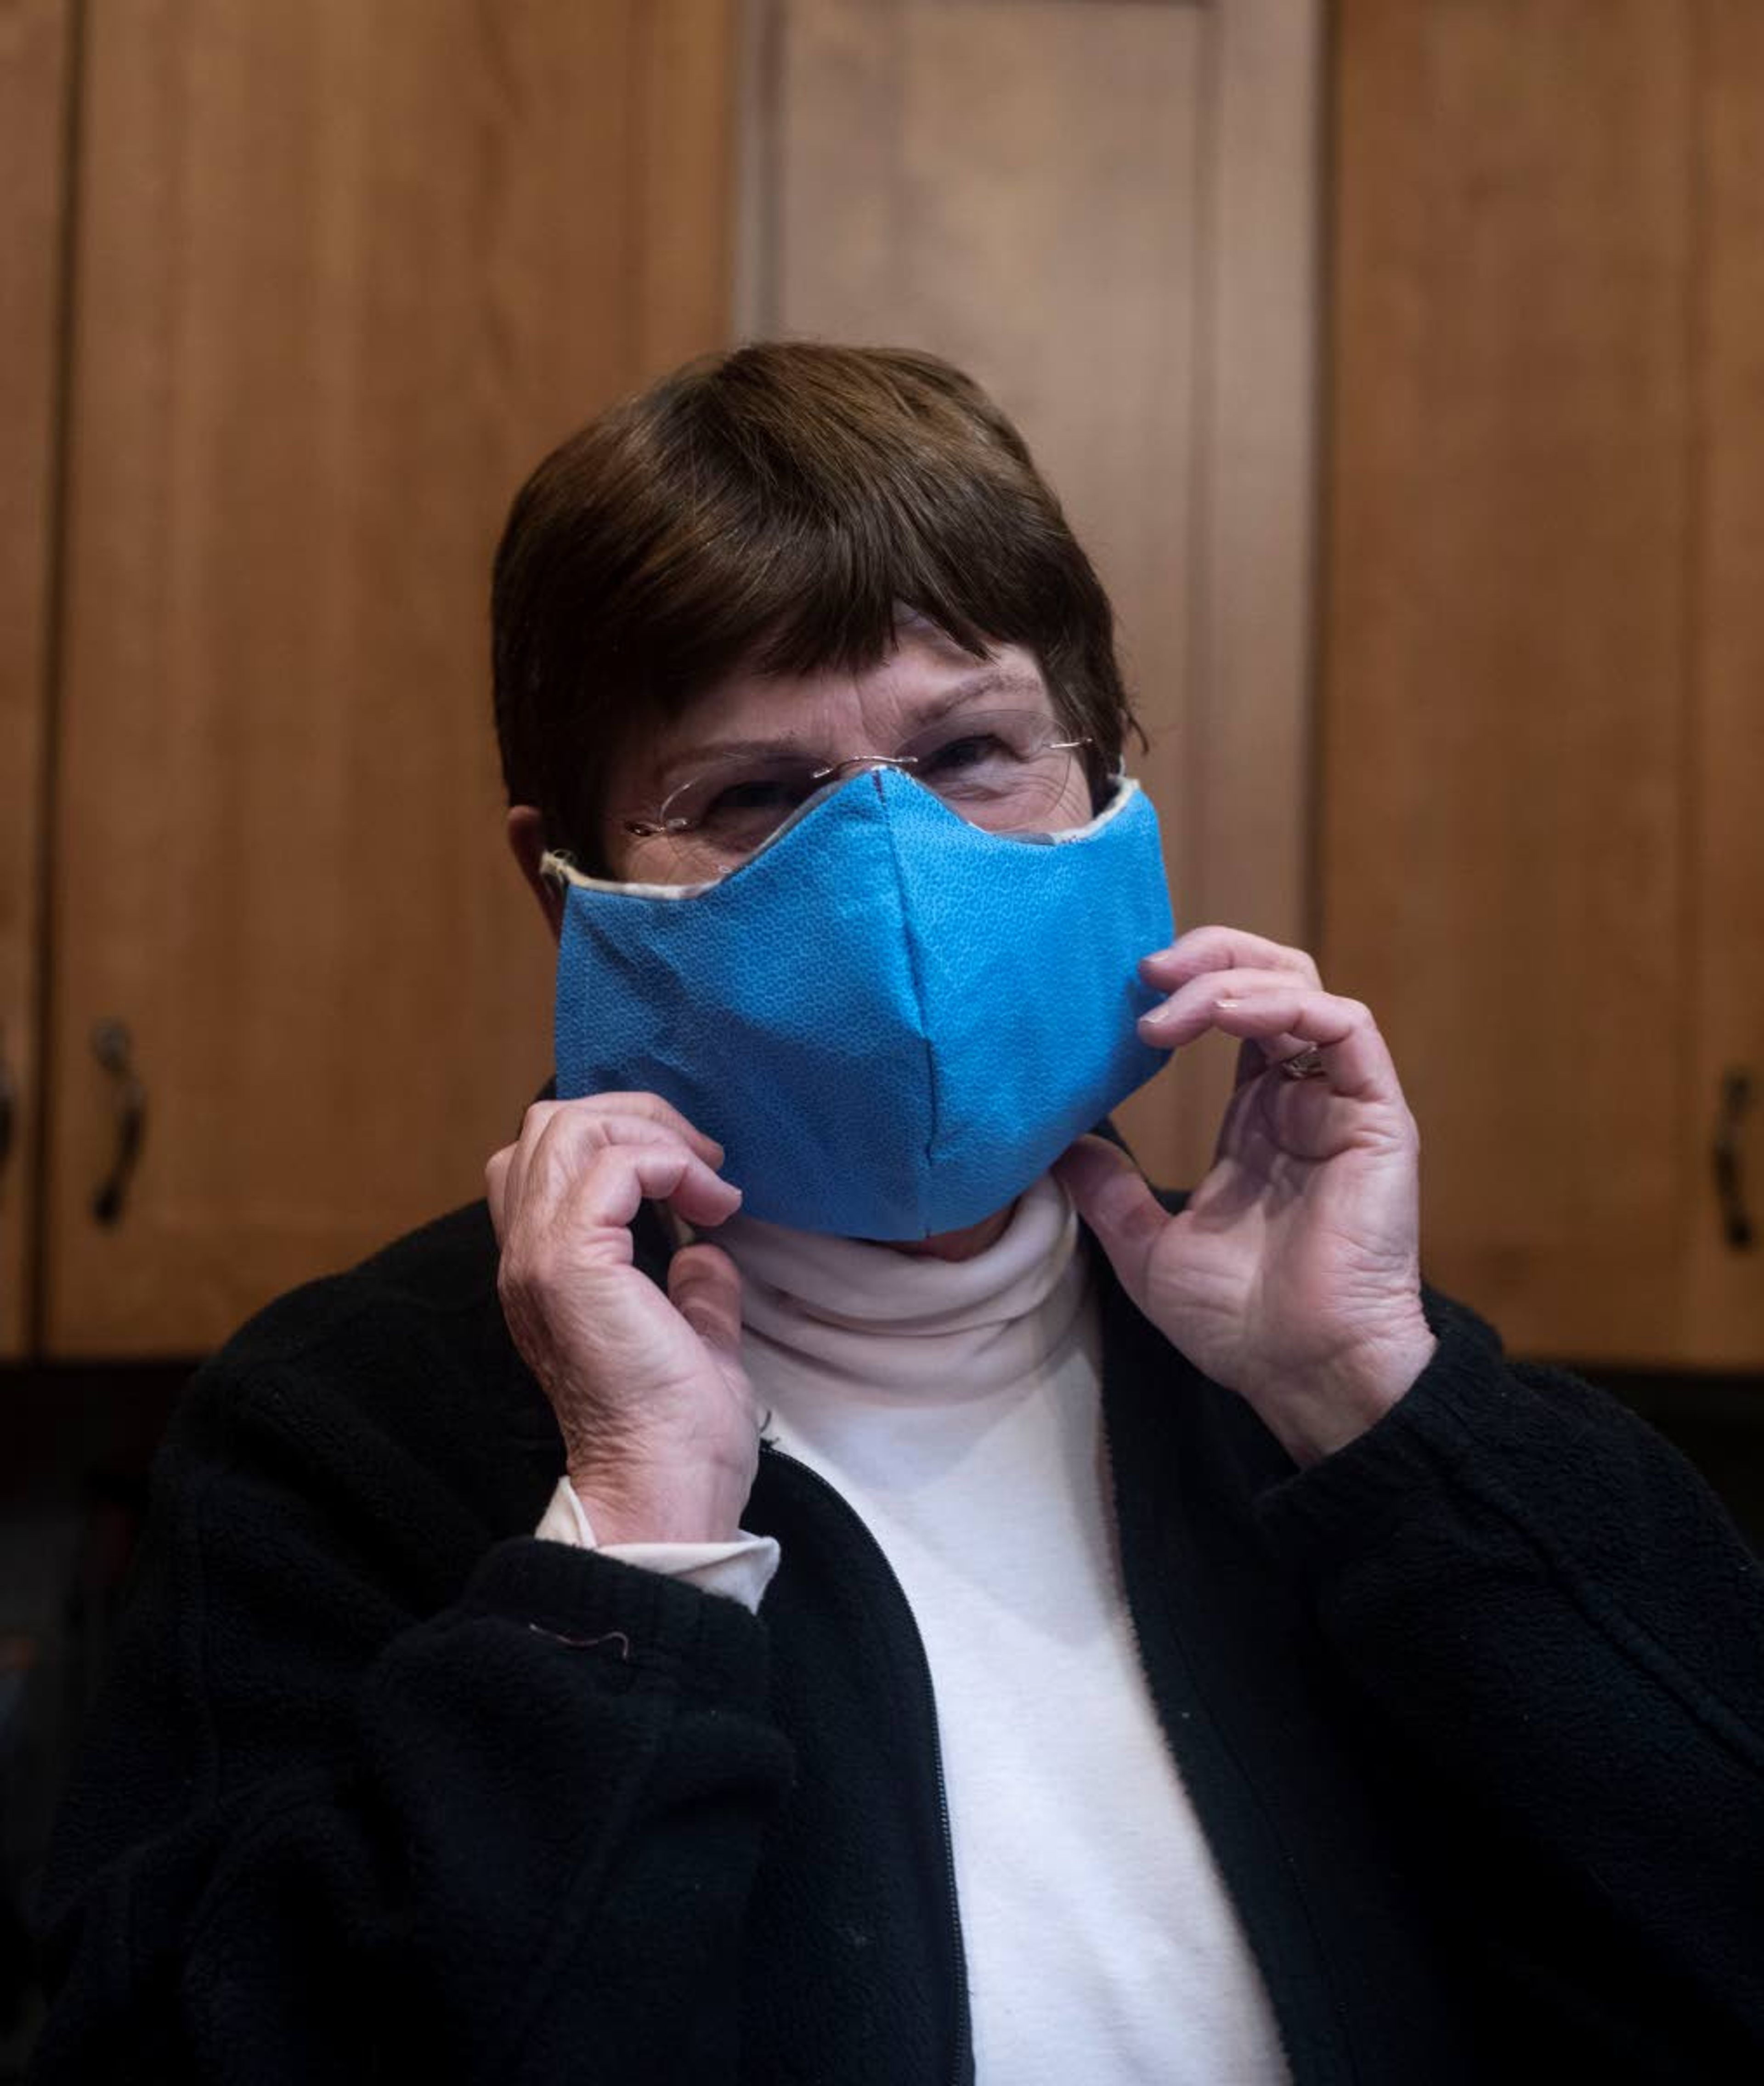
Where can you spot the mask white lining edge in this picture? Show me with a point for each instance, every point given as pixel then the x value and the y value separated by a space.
pixel 561 870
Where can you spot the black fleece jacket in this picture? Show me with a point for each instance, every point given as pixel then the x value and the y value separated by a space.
pixel 384 1787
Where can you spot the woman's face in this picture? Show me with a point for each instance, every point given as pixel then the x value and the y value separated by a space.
pixel 733 758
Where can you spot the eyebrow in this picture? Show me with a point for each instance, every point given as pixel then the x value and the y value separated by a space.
pixel 988 681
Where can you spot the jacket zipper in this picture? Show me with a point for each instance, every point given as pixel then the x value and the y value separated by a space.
pixel 962 2071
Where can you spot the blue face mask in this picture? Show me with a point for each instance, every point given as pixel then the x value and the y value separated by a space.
pixel 892 1021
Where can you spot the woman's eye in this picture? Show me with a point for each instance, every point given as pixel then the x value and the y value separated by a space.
pixel 741 800
pixel 974 751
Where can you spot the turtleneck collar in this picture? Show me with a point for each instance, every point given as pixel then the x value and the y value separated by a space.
pixel 865 1315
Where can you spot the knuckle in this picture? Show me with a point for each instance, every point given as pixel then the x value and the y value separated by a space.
pixel 635 1103
pixel 600 1130
pixel 623 1119
pixel 609 1164
pixel 606 1177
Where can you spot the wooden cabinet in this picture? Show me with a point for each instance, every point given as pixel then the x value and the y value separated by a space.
pixel 336 275
pixel 1107 209
pixel 301 287
pixel 1543 711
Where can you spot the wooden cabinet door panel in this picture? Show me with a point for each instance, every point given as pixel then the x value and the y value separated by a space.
pixel 1102 209
pixel 1542 757
pixel 344 272
pixel 34 42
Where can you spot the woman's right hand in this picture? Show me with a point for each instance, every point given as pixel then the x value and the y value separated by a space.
pixel 660 1437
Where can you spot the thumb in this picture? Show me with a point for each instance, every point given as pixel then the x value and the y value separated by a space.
pixel 1114 1200
pixel 704 1288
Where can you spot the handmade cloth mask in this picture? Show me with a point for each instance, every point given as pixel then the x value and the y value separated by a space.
pixel 892 1020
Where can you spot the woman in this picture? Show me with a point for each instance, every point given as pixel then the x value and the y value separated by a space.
pixel 1155 1638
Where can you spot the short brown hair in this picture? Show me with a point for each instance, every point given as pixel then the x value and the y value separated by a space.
pixel 774 508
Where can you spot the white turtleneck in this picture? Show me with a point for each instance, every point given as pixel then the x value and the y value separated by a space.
pixel 956 1405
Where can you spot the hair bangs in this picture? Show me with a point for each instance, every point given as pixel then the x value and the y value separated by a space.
pixel 777 510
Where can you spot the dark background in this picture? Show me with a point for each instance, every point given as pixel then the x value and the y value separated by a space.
pixel 74 1488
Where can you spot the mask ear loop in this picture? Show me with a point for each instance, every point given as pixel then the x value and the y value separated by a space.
pixel 1104 793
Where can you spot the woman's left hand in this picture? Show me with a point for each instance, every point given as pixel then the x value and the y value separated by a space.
pixel 1292 1274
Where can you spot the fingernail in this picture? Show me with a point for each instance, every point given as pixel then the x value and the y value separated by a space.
pixel 1228 1000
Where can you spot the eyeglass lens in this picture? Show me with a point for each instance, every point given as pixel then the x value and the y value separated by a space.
pixel 1006 770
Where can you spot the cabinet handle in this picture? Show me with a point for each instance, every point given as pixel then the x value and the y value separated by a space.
pixel 1729 1184
pixel 111 1045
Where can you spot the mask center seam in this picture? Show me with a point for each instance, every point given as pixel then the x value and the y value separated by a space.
pixel 916 972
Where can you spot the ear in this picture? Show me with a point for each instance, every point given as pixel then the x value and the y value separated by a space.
pixel 526 841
